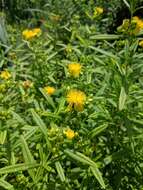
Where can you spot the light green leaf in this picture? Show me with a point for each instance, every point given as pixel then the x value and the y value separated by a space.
pixel 103 52
pixel 17 167
pixel 3 135
pixel 86 160
pixel 51 56
pixel 5 184
pixel 31 132
pixel 61 105
pixel 28 157
pixel 98 130
pixel 18 118
pixel 127 4
pixel 106 37
pixel 42 127
pixel 122 99
pixel 60 171
pixel 98 176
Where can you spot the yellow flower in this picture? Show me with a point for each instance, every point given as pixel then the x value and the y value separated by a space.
pixel 141 43
pixel 28 34
pixel 37 31
pixel 49 90
pixel 74 69
pixel 5 75
pixel 139 24
pixel 133 27
pixel 97 11
pixel 76 99
pixel 70 134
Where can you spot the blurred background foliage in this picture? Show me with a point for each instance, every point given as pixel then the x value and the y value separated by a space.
pixel 114 10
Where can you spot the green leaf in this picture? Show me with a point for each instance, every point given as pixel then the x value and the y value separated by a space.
pixel 18 117
pixel 86 160
pixel 106 37
pixel 3 135
pixel 3 33
pixel 60 171
pixel 28 157
pixel 127 4
pixel 98 176
pixel 97 130
pixel 17 168
pixel 122 99
pixel 61 105
pixel 51 56
pixel 103 52
pixel 75 157
pixel 5 184
pixel 42 127
pixel 27 135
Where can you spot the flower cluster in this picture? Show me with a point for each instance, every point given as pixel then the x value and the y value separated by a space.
pixel 133 27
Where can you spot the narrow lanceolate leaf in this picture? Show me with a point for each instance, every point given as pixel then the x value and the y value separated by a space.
pixel 5 184
pixel 3 33
pixel 16 168
pixel 42 127
pixel 51 56
pixel 103 52
pixel 127 4
pixel 75 157
pixel 98 130
pixel 3 135
pixel 18 118
pixel 26 136
pixel 106 37
pixel 28 157
pixel 98 176
pixel 122 99
pixel 60 171
pixel 61 105
pixel 86 160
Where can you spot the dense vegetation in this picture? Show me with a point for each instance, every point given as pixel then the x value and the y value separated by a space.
pixel 71 95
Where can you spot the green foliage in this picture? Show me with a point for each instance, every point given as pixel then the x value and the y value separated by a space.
pixel 44 142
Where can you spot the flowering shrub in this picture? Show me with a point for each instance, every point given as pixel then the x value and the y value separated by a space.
pixel 71 106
